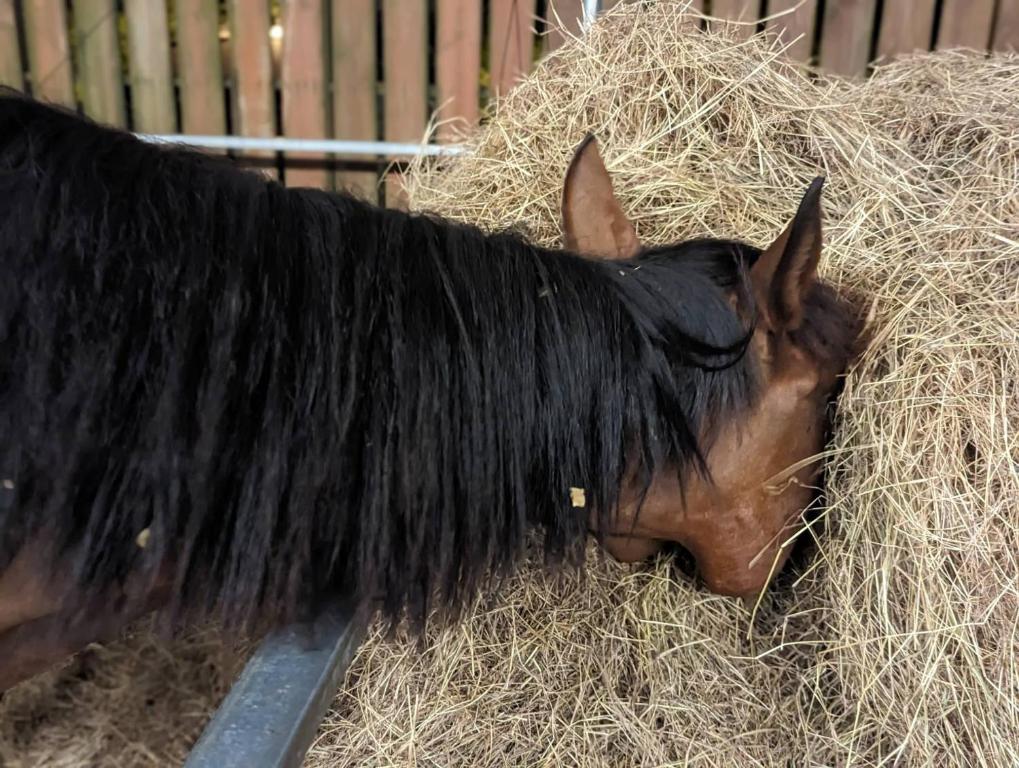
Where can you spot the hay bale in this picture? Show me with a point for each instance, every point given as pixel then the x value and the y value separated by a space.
pixel 896 640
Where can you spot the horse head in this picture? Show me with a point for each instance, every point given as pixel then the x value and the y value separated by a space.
pixel 762 465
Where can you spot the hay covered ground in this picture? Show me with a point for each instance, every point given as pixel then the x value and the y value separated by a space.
pixel 893 639
pixel 141 701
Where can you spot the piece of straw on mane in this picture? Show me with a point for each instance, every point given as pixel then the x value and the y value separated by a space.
pixel 894 640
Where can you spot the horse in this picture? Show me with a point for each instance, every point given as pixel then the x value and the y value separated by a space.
pixel 226 399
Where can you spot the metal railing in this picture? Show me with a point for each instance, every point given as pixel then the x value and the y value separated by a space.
pixel 285 144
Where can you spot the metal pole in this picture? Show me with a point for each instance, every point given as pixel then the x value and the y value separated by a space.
pixel 591 8
pixel 273 711
pixel 282 144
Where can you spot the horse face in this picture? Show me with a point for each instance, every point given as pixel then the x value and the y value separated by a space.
pixel 764 466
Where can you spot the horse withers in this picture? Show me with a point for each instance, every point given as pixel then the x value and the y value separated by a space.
pixel 223 398
pixel 762 471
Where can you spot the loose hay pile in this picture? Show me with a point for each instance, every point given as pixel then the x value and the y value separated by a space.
pixel 141 701
pixel 895 640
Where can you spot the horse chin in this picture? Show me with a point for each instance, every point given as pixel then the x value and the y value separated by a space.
pixel 632 549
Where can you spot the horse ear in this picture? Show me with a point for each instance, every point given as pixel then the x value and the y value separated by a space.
pixel 784 273
pixel 593 221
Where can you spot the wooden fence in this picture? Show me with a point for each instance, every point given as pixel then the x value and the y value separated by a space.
pixel 379 69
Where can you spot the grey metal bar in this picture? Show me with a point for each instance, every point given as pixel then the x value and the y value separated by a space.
pixel 270 716
pixel 284 144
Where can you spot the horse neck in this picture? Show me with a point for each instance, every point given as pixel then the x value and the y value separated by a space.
pixel 302 395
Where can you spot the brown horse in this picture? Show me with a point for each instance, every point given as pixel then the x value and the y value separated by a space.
pixel 203 449
pixel 737 520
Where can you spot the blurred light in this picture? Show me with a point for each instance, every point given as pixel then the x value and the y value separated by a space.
pixel 276 32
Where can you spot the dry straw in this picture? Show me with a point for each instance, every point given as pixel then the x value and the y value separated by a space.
pixel 893 640
pixel 142 701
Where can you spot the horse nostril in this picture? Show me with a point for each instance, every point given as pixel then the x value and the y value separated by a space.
pixel 682 559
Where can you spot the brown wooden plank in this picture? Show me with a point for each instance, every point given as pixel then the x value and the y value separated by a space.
pixel 355 109
pixel 305 92
pixel 202 104
pixel 845 38
pixel 148 36
pixel 405 60
pixel 906 26
pixel 795 27
pixel 49 50
pixel 98 54
pixel 746 12
pixel 564 19
pixel 457 65
pixel 1006 28
pixel 10 52
pixel 254 103
pixel 510 42
pixel 966 24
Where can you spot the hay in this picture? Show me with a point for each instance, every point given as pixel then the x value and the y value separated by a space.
pixel 141 701
pixel 893 638
pixel 895 641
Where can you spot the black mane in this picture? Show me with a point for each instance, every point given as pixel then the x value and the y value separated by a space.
pixel 300 396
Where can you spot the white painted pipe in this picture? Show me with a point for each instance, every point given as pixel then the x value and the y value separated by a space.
pixel 284 144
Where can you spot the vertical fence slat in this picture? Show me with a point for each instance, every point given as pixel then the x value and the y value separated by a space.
pixel 255 103
pixel 457 64
pixel 1006 29
pixel 905 27
pixel 304 85
pixel 355 105
pixel 966 24
pixel 10 52
pixel 795 27
pixel 845 37
pixel 564 19
pixel 202 105
pixel 744 11
pixel 405 63
pixel 98 53
pixel 148 35
pixel 509 42
pixel 49 51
